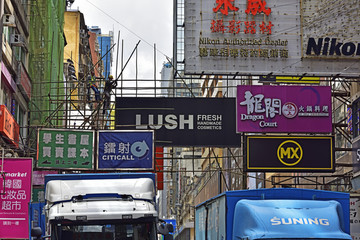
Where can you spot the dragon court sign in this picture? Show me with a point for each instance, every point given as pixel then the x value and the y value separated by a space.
pixel 284 37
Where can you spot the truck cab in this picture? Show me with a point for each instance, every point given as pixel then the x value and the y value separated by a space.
pixel 101 206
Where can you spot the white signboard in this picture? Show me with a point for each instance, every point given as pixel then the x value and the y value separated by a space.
pixel 355 218
pixel 273 37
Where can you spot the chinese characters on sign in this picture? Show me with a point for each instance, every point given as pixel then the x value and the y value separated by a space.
pixel 125 150
pixel 283 109
pixel 16 189
pixel 239 47
pixel 65 149
pixel 254 7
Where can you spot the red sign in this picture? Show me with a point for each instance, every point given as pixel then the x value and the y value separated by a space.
pixel 159 167
pixel 8 126
pixel 25 83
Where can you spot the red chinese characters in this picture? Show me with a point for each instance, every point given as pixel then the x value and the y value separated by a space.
pixel 257 6
pixel 226 4
pixel 234 25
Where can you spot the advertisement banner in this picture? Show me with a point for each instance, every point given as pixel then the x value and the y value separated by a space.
pixel 282 109
pixel 289 154
pixel 355 218
pixel 355 154
pixel 37 216
pixel 159 167
pixel 125 150
pixel 38 177
pixel 65 149
pixel 271 38
pixel 15 197
pixel 9 128
pixel 181 121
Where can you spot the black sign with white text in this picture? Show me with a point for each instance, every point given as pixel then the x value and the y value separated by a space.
pixel 181 121
pixel 289 154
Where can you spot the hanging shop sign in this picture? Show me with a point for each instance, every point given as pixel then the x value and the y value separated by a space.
pixel 24 83
pixel 9 128
pixel 283 37
pixel 181 121
pixel 283 109
pixel 356 155
pixel 125 150
pixel 159 167
pixel 38 177
pixel 289 154
pixel 15 198
pixel 355 218
pixel 8 79
pixel 65 149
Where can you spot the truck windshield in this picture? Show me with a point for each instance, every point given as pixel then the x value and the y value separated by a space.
pixel 118 231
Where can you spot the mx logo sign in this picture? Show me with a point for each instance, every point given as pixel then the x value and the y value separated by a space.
pixel 289 153
pixel 277 153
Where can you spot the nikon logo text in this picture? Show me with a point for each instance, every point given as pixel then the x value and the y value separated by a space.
pixel 332 47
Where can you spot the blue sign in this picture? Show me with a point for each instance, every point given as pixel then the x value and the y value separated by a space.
pixel 37 216
pixel 132 150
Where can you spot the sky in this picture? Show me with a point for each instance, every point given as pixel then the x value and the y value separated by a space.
pixel 147 21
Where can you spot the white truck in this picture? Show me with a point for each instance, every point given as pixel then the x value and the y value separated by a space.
pixel 114 206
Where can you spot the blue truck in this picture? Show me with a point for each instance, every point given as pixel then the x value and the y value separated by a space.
pixel 101 206
pixel 276 213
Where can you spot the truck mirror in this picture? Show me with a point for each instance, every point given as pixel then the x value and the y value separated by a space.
pixel 36 232
pixel 170 227
pixel 168 237
pixel 162 229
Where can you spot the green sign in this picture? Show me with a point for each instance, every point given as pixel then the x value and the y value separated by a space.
pixel 65 149
pixel 38 194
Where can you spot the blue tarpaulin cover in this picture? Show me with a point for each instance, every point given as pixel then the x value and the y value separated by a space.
pixel 296 218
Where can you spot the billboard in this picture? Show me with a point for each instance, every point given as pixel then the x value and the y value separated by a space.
pixel 301 109
pixel 181 121
pixel 65 149
pixel 289 154
pixel 9 128
pixel 125 150
pixel 15 188
pixel 356 155
pixel 283 37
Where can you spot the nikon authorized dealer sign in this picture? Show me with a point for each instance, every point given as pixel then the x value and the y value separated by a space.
pixel 282 37
pixel 289 154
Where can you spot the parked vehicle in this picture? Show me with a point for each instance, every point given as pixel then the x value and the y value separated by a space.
pixel 101 206
pixel 277 213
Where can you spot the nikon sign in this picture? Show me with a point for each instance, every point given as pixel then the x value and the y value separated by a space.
pixel 289 154
pixel 332 47
pixel 283 37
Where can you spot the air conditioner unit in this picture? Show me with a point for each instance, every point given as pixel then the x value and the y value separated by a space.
pixel 9 20
pixel 17 40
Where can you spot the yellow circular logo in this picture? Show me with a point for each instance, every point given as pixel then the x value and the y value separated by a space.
pixel 289 153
